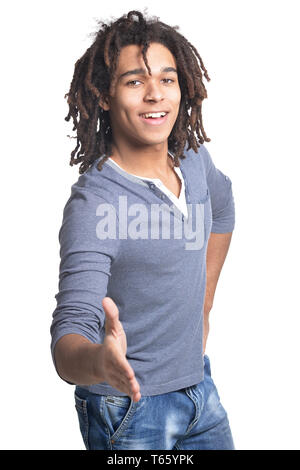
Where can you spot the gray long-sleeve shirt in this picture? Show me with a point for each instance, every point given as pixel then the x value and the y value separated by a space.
pixel 122 237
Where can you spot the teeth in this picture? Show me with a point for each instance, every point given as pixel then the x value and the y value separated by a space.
pixel 154 115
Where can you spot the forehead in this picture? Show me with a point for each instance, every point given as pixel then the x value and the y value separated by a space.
pixel 157 56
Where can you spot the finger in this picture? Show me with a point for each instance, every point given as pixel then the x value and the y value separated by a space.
pixel 110 308
pixel 131 391
pixel 109 305
pixel 136 397
pixel 121 384
pixel 132 383
pixel 123 370
pixel 121 366
pixel 111 314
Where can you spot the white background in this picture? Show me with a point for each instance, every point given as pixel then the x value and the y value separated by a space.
pixel 250 50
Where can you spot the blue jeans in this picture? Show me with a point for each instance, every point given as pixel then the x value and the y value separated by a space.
pixel 190 418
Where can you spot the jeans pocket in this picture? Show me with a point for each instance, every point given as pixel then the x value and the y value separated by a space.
pixel 82 413
pixel 116 412
pixel 209 383
pixel 207 369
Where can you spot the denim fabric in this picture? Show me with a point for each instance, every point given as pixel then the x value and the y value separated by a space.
pixel 189 418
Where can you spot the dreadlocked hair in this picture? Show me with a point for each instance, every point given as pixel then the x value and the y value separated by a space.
pixel 94 77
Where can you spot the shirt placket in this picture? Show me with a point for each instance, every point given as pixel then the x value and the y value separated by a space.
pixel 161 195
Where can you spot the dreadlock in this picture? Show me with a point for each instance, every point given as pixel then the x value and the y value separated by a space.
pixel 94 77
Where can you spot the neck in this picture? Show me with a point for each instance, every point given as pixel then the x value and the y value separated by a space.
pixel 151 161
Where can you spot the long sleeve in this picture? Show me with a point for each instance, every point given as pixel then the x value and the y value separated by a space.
pixel 85 261
pixel 222 200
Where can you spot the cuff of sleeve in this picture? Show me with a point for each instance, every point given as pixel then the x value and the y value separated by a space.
pixel 222 226
pixel 59 335
pixel 224 221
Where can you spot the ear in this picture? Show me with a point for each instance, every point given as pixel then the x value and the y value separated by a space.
pixel 104 103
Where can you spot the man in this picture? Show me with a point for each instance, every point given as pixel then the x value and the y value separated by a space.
pixel 144 236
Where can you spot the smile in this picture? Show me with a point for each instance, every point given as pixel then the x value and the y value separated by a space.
pixel 154 119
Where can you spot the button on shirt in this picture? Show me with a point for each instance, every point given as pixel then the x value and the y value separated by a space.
pixel 179 202
pixel 120 239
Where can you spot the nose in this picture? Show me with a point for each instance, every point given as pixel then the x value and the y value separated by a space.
pixel 153 92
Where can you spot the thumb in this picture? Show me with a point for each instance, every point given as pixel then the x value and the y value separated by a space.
pixel 111 316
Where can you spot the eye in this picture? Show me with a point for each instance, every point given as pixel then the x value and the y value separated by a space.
pixel 132 82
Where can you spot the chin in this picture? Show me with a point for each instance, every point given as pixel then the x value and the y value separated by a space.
pixel 154 142
pixel 157 139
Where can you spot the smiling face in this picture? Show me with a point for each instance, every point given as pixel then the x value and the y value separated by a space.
pixel 137 93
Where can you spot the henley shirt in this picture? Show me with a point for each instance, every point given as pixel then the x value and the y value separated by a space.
pixel 121 236
pixel 180 201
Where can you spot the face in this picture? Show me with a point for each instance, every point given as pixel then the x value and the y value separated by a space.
pixel 137 93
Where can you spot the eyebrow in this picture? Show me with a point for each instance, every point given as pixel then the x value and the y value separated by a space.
pixel 143 71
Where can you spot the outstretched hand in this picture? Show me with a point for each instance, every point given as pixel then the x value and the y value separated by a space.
pixel 117 371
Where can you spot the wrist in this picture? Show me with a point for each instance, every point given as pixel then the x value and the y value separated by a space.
pixel 96 362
